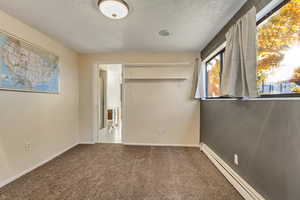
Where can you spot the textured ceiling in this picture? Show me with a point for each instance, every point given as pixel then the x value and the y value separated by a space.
pixel 80 25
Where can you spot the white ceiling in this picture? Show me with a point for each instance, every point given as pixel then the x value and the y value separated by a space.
pixel 80 25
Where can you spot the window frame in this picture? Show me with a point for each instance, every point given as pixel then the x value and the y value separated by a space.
pixel 272 11
pixel 221 53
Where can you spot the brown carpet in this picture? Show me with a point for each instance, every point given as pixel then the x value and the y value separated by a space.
pixel 116 172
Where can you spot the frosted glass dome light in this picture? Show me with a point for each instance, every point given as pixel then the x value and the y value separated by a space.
pixel 113 9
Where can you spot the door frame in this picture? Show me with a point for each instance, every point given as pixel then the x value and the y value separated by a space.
pixel 96 99
pixel 95 91
pixel 101 112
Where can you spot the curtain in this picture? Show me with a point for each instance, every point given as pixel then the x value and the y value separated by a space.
pixel 239 71
pixel 199 86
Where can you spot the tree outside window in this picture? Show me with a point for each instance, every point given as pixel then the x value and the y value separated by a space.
pixel 278 41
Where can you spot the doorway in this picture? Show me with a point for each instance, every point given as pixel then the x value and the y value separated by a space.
pixel 110 101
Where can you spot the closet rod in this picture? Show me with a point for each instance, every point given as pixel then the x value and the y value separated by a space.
pixel 153 64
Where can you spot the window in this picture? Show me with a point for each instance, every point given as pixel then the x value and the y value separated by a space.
pixel 278 55
pixel 213 75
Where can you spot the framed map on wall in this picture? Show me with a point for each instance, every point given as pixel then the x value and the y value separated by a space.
pixel 25 67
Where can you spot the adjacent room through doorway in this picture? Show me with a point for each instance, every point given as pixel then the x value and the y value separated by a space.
pixel 109 101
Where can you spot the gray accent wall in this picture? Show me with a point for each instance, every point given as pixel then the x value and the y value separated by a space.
pixel 266 136
pixel 264 133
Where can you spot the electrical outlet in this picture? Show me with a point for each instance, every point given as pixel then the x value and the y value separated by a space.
pixel 162 131
pixel 236 159
pixel 27 147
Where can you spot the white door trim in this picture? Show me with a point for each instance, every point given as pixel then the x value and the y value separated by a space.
pixel 96 99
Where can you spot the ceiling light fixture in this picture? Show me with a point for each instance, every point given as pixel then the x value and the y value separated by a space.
pixel 113 9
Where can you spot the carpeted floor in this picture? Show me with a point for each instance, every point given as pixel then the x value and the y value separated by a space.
pixel 117 172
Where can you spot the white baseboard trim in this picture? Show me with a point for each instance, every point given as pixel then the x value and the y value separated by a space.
pixel 11 179
pixel 87 142
pixel 161 145
pixel 237 181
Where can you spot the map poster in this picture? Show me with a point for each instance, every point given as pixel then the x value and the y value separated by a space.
pixel 24 67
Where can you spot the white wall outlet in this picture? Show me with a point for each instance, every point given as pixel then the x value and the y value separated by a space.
pixel 28 147
pixel 236 159
pixel 162 131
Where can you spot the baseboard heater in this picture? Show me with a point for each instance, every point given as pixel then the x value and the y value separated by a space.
pixel 247 191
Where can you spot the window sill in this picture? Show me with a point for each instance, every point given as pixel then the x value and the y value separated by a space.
pixel 220 99
pixel 274 99
pixel 256 99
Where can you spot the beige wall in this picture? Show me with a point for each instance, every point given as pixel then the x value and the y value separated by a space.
pixel 160 110
pixel 48 121
pixel 189 120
